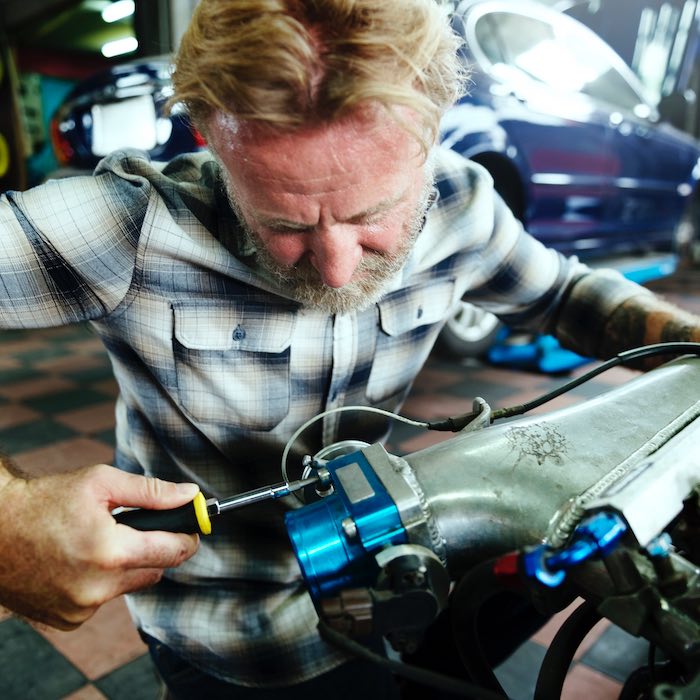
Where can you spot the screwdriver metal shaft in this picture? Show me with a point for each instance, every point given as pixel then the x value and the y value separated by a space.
pixel 215 507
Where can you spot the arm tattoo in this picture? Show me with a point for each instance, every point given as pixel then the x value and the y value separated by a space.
pixel 645 320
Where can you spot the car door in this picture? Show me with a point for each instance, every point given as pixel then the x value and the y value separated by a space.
pixel 654 162
pixel 653 181
pixel 557 134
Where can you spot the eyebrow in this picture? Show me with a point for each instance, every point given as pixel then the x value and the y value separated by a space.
pixel 379 208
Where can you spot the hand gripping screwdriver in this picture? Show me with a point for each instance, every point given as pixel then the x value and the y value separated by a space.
pixel 196 515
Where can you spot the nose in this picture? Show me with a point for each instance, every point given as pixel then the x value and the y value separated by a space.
pixel 335 252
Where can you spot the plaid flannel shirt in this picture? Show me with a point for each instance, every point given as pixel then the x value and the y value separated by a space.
pixel 217 367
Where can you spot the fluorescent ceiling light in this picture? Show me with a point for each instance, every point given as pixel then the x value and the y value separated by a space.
pixel 120 46
pixel 118 10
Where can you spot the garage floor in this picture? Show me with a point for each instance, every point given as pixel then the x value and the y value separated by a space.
pixel 56 412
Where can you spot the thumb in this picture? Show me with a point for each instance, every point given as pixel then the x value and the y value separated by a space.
pixel 132 490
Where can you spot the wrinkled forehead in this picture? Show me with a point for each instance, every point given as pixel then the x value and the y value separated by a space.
pixel 369 139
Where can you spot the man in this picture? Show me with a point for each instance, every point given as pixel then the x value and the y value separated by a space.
pixel 307 263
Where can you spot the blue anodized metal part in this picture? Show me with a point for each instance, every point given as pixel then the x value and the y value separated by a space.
pixel 336 538
pixel 595 536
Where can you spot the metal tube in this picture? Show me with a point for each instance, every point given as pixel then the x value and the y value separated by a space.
pixel 486 492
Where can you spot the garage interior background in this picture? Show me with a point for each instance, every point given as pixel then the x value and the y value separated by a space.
pixel 46 47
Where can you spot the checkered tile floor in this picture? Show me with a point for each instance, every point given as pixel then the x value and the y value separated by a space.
pixel 56 413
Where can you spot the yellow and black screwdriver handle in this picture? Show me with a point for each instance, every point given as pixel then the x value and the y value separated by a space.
pixel 191 518
pixel 195 516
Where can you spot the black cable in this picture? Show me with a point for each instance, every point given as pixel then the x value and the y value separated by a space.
pixel 457 423
pixel 637 685
pixel 412 673
pixel 560 653
pixel 619 359
pixel 468 597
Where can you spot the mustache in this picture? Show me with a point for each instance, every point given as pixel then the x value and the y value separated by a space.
pixel 371 278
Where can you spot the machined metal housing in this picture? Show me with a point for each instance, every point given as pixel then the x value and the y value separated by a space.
pixel 521 482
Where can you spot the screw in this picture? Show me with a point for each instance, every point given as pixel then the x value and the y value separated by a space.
pixel 349 528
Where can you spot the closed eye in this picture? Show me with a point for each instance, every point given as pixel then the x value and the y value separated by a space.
pixel 368 219
pixel 371 217
pixel 283 228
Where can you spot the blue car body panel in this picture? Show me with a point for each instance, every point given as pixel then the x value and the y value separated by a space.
pixel 594 178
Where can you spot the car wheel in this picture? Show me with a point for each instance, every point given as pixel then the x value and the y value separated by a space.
pixel 469 332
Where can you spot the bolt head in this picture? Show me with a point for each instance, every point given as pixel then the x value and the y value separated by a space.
pixel 349 528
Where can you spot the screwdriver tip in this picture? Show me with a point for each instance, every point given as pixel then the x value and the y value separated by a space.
pixel 301 483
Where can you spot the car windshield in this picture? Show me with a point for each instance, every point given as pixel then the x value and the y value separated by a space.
pixel 563 56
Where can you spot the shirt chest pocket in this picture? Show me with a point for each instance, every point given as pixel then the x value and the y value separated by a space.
pixel 232 363
pixel 409 320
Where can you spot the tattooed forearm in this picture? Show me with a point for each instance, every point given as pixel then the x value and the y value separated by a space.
pixel 644 320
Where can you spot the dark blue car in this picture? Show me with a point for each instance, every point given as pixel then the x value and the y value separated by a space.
pixel 123 106
pixel 554 114
pixel 574 147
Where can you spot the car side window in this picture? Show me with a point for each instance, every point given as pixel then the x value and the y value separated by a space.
pixel 561 56
pixel 507 38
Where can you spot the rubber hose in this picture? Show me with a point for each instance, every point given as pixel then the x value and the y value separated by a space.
pixel 469 595
pixel 560 653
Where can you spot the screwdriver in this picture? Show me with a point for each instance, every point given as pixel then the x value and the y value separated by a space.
pixel 196 515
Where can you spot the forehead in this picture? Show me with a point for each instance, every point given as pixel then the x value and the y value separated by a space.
pixel 324 158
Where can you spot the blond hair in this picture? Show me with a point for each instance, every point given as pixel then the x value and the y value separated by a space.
pixel 289 63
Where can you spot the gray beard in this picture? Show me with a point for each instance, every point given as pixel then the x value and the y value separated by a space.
pixel 372 275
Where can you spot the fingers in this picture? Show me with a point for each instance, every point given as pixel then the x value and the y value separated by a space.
pixel 133 490
pixel 138 579
pixel 71 614
pixel 162 550
pixel 84 596
pixel 52 618
pixel 68 557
